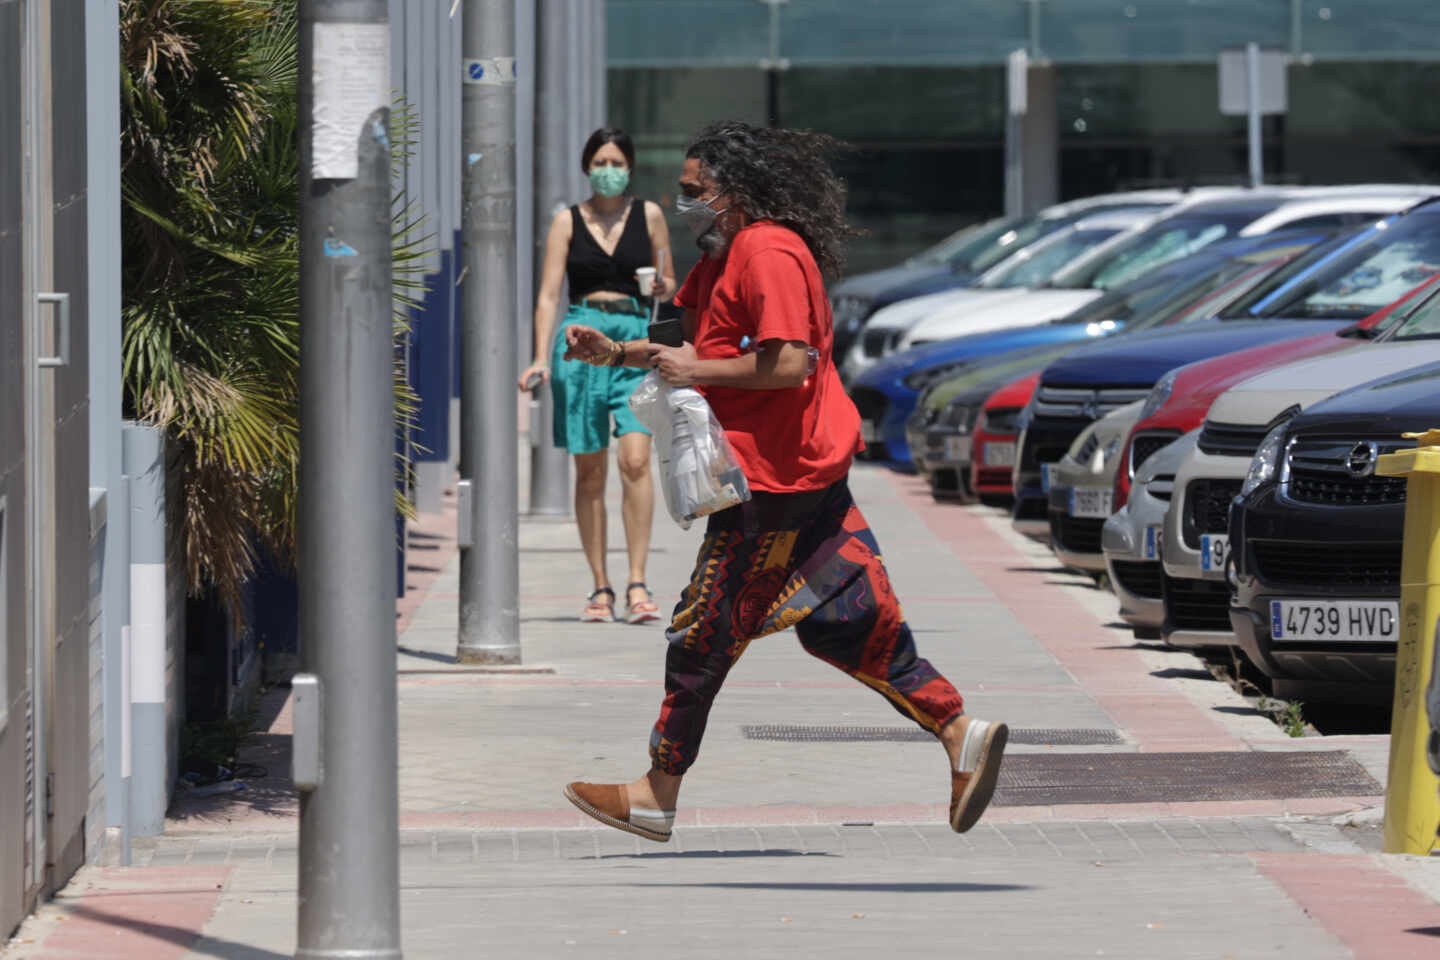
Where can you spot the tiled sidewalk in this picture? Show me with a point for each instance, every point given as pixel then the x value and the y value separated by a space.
pixel 792 848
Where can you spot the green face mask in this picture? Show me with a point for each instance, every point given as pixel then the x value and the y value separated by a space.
pixel 609 181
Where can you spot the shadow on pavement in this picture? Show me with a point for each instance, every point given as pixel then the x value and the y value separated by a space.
pixel 1425 931
pixel 712 855
pixel 851 887
pixel 191 940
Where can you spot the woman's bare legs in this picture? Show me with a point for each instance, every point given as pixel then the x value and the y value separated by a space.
pixel 590 470
pixel 637 504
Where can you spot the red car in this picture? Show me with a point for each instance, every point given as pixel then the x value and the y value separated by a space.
pixel 1195 387
pixel 992 457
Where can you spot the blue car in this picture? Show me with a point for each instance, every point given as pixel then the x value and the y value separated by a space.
pixel 887 392
pixel 1349 282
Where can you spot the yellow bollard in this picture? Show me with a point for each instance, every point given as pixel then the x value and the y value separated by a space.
pixel 1412 796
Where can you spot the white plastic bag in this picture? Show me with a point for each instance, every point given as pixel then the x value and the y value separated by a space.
pixel 698 470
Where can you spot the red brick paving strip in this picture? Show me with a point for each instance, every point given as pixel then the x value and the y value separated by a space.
pixel 156 913
pixel 1371 910
pixel 1153 713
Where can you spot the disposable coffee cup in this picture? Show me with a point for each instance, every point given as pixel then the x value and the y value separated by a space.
pixel 645 276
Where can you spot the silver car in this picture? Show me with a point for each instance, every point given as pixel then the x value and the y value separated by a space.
pixel 1131 539
pixel 1082 489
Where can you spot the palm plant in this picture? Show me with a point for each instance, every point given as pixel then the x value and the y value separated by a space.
pixel 210 225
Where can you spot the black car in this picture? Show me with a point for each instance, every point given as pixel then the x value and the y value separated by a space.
pixel 1316 538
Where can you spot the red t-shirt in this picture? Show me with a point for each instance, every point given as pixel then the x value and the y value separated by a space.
pixel 767 287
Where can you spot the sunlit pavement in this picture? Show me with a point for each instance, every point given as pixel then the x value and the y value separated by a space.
pixel 1152 813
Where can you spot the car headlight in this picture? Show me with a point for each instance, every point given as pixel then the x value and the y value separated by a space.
pixel 1111 448
pixel 1266 461
pixel 1158 395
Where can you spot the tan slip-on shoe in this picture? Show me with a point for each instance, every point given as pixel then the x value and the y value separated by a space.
pixel 608 803
pixel 972 786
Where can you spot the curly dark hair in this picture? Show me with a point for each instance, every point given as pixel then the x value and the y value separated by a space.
pixel 784 176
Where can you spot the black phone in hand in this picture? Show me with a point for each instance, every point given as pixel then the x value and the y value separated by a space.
pixel 667 333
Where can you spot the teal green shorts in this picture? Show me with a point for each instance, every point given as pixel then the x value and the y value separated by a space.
pixel 587 397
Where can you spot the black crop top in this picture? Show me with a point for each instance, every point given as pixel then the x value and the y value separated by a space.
pixel 589 268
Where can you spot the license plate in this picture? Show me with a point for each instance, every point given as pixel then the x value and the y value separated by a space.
pixel 1343 621
pixel 999 454
pixel 869 431
pixel 1091 502
pixel 957 449
pixel 1214 548
pixel 1151 549
pixel 1044 478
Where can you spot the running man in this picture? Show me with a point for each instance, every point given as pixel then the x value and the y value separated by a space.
pixel 768 212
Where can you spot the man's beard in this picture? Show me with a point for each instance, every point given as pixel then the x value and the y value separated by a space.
pixel 712 242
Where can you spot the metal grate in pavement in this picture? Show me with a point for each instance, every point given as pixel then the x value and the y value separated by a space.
pixel 1036 736
pixel 1043 779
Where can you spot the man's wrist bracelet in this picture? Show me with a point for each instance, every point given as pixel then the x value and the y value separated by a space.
pixel 617 356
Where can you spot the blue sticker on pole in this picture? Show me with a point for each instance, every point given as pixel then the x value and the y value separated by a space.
pixel 490 71
pixel 339 248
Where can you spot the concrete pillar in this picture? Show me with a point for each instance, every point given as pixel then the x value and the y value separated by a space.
pixel 1040 156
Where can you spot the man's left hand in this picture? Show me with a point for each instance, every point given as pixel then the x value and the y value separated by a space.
pixel 677 366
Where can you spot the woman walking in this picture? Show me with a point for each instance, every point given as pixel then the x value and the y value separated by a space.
pixel 597 246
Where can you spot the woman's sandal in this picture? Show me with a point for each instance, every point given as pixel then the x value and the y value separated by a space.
pixel 643 612
pixel 598 610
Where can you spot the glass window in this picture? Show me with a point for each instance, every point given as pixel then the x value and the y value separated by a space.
pixel 1032 267
pixel 1169 240
pixel 1422 322
pixel 1374 274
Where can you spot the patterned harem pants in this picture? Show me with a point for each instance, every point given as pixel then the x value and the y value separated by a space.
pixel 806 561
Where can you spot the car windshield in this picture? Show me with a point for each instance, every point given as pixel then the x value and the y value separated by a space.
pixel 963 245
pixel 1033 266
pixel 1422 323
pixel 1171 239
pixel 1232 283
pixel 1373 273
pixel 1256 302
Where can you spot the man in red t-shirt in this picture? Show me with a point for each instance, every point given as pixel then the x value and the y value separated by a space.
pixel 769 214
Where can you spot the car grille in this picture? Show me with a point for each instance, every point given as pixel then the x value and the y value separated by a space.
pixel 1087 449
pixel 1075 534
pixel 873 342
pixel 1002 420
pixel 1341 473
pixel 1207 508
pixel 1085 403
pixel 1230 440
pixel 1197 604
pixel 1307 563
pixel 1141 579
pixel 1146 445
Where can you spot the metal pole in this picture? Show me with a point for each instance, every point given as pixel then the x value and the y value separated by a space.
pixel 549 465
pixel 1252 99
pixel 349 883
pixel 1017 90
pixel 489 549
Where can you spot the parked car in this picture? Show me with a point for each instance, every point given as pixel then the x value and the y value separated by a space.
pixel 1131 540
pixel 1196 543
pixel 1013 277
pixel 1179 292
pixel 992 455
pixel 1172 237
pixel 888 392
pixel 1345 285
pixel 962 258
pixel 1316 541
pixel 1081 487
